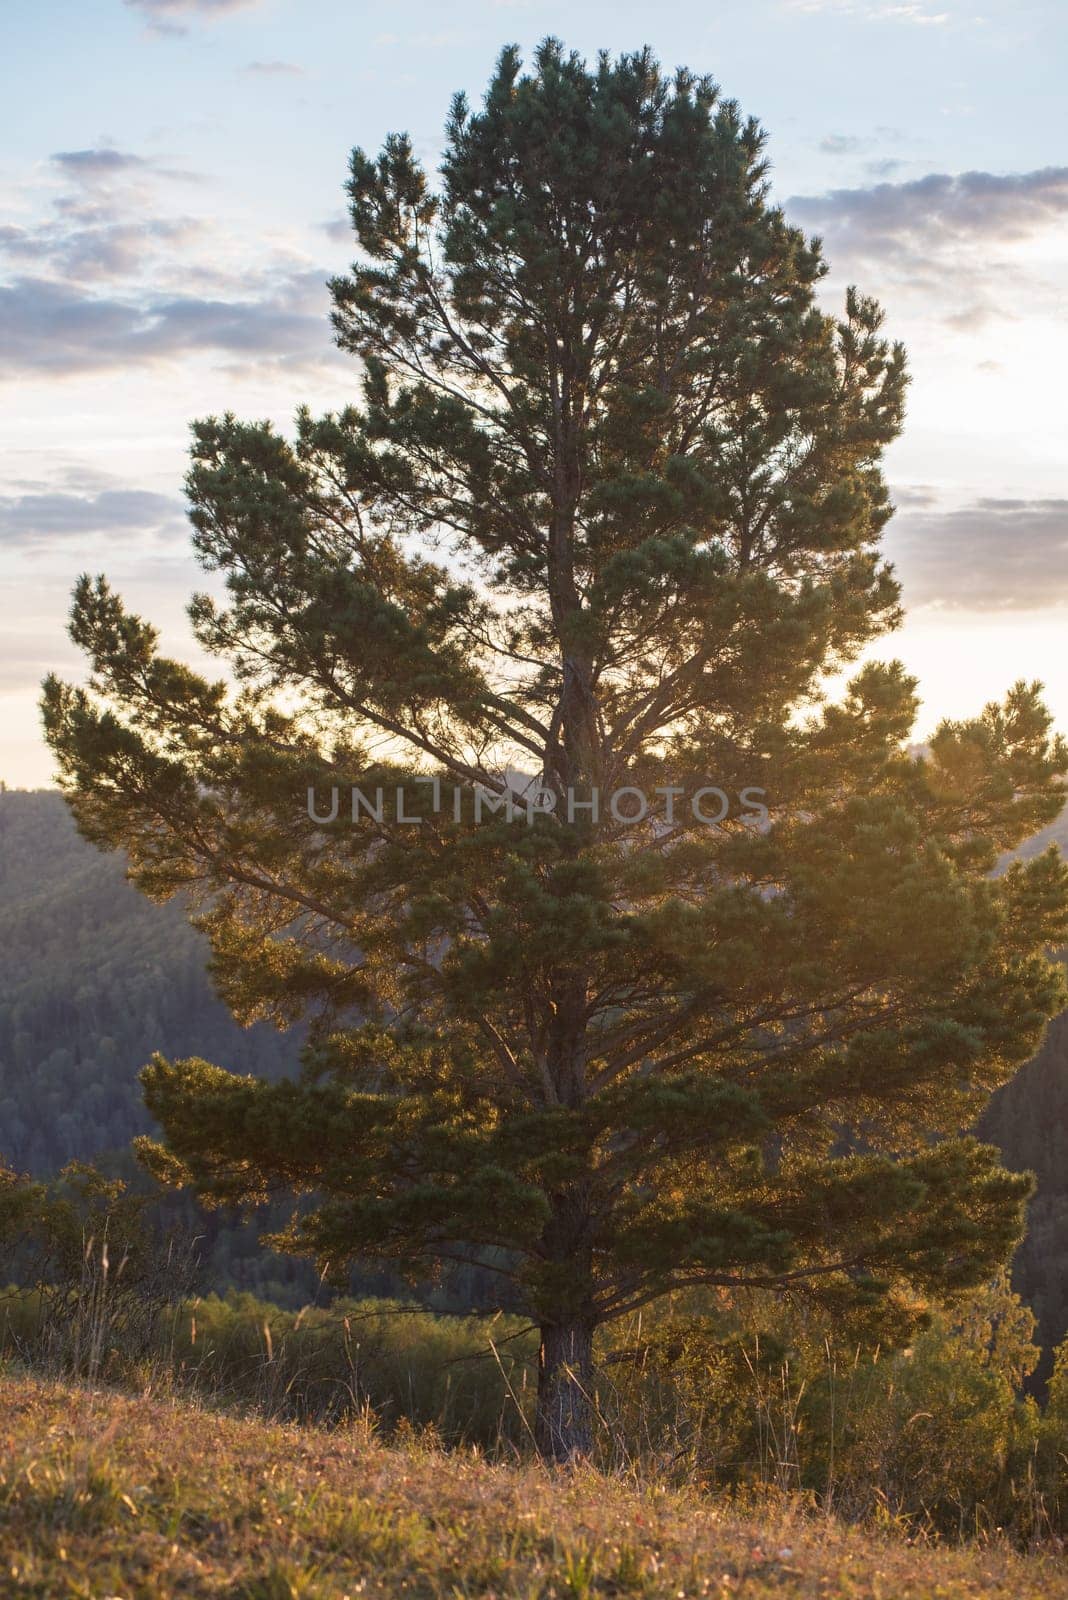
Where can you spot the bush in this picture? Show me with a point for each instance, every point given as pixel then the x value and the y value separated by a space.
pixel 937 1433
pixel 403 1362
pixel 96 1291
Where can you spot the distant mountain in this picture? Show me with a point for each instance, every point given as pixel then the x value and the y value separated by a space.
pixel 93 979
pixel 1056 833
pixel 1028 1121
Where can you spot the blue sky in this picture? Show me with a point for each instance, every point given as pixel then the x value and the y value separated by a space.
pixel 170 206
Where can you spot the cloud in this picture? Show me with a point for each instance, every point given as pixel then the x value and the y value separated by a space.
pixel 43 518
pixel 56 329
pixel 98 172
pixel 904 13
pixel 884 166
pixel 100 249
pixel 841 144
pixel 205 8
pixel 25 661
pixel 914 496
pixel 167 17
pixel 114 275
pixel 338 228
pixel 977 316
pixel 939 208
pixel 947 239
pixel 873 10
pixel 275 69
pixel 90 165
pixel 108 221
pixel 994 555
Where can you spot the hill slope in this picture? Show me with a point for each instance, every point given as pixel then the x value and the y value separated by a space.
pixel 1028 1121
pixel 93 979
pixel 103 1495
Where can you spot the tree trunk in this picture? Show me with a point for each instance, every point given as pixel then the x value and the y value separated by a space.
pixel 563 1425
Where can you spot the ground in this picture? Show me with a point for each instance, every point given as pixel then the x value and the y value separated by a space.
pixel 111 1497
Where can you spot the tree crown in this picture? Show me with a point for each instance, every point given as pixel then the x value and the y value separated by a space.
pixel 606 516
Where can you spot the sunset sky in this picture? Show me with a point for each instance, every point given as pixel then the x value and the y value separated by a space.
pixel 171 176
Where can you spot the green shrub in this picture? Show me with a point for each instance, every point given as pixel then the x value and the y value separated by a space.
pixel 97 1289
pixel 403 1362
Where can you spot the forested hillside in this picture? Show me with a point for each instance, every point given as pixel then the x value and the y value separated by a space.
pixel 1028 1120
pixel 94 978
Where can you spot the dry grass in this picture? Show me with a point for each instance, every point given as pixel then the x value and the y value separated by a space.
pixel 105 1496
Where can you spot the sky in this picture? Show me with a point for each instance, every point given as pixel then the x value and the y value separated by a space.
pixel 171 208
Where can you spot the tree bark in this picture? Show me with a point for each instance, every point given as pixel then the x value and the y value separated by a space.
pixel 563 1424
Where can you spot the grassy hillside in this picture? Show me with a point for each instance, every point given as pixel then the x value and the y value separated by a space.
pixel 109 1496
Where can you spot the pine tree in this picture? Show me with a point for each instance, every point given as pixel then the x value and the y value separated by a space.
pixel 604 520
